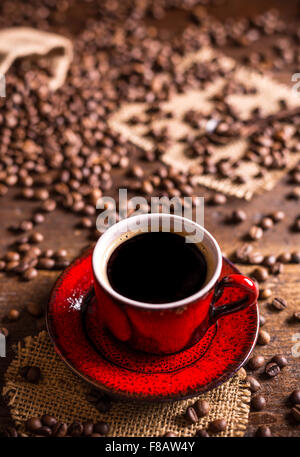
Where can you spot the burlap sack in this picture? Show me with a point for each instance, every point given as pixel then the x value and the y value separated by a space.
pixel 269 93
pixel 62 394
pixel 17 42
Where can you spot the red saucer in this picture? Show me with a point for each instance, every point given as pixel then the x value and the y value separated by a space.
pixel 91 352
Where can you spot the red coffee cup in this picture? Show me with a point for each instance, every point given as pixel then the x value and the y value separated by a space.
pixel 168 327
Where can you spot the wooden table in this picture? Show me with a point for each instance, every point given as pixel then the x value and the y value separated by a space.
pixel 60 231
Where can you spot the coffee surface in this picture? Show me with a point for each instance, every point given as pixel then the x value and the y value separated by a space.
pixel 157 267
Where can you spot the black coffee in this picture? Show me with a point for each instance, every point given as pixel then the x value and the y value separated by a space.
pixel 157 267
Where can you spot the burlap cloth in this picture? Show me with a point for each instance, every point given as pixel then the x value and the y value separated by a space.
pixel 17 42
pixel 268 94
pixel 63 394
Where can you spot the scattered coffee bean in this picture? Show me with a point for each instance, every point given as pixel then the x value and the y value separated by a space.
pixel 258 402
pixel 60 429
pixel 48 421
pixel 202 408
pixel 278 216
pixel 13 315
pixel 279 304
pixel 88 429
pixel 272 369
pixel 255 258
pixel 296 316
pixel 266 223
pixel 170 435
pixel 255 233
pixel 265 293
pixel 263 337
pixel 102 428
pixel 218 199
pixel 44 431
pixel 262 320
pixel 263 431
pixel 295 257
pixel 280 360
pixel 295 397
pixel 253 382
pixel 285 257
pixel 218 425
pixel 256 362
pixel 202 433
pixel 242 253
pixel 33 424
pixel 269 260
pixel 30 274
pixel 238 216
pixel 296 413
pixel 276 269
pixel 261 274
pixel 75 429
pixel 191 415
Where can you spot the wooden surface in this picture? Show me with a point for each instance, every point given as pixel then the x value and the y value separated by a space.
pixel 60 231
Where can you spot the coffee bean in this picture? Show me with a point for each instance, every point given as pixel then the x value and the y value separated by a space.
pixel 36 237
pixel 48 205
pixel 258 402
pixel 218 199
pixel 33 424
pixel 295 397
pixel 48 421
pixel 102 428
pixel 263 431
pixel 255 233
pixel 218 425
pixel 191 415
pixel 238 216
pixel 30 274
pixel 26 226
pixel 256 362
pixel 33 375
pixel 285 257
pixel 266 223
pixel 44 431
pixel 296 413
pixel 38 218
pixel 272 369
pixel 279 304
pixel 2 265
pixel 263 337
pixel 75 429
pixel 280 360
pixel 242 254
pixel 265 293
pixel 269 260
pixel 255 258
pixel 202 408
pixel 278 216
pixel 137 171
pixel 12 256
pixel 13 315
pixel 202 433
pixel 60 429
pixel 276 269
pixel 35 310
pixel 45 263
pixel 88 428
pixel 254 384
pixel 295 257
pixel 262 320
pixel 296 316
pixel 261 274
pixel 11 432
pixel 61 253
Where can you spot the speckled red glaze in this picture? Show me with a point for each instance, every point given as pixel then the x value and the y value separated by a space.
pixel 90 351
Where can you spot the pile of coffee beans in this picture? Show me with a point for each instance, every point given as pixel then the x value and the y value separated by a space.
pixel 49 426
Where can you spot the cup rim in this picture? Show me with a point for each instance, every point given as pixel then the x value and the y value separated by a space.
pixel 101 244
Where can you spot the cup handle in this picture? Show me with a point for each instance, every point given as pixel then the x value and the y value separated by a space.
pixel 233 281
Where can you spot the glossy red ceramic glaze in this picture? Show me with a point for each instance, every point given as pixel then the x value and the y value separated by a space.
pixel 85 344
